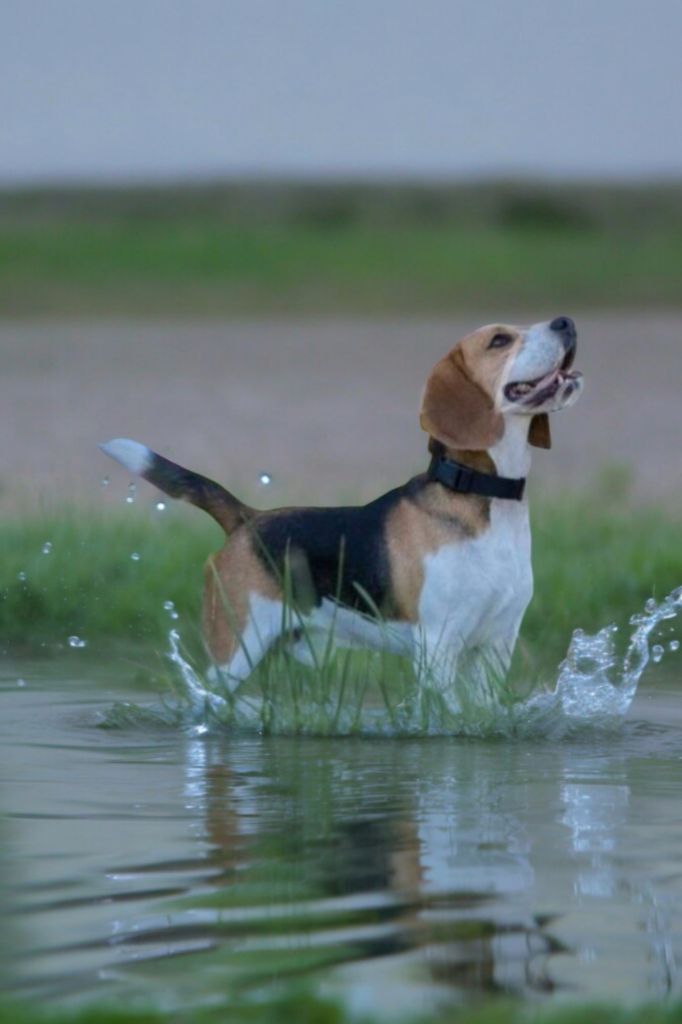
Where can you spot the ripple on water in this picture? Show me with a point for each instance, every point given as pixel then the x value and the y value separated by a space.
pixel 182 860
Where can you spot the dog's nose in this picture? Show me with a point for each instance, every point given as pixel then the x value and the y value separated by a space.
pixel 563 325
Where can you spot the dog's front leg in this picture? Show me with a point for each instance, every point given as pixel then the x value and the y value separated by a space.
pixel 485 668
pixel 436 660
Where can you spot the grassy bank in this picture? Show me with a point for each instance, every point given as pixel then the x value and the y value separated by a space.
pixel 189 269
pixel 106 578
pixel 291 249
pixel 306 1009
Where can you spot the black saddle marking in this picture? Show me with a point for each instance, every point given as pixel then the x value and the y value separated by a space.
pixel 344 549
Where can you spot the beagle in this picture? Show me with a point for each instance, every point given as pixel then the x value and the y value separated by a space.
pixel 439 568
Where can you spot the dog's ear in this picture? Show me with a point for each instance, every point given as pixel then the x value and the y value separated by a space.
pixel 539 433
pixel 455 410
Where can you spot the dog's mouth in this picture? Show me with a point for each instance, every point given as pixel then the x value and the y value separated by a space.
pixel 534 393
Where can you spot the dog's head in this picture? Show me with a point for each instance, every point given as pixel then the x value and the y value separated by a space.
pixel 498 371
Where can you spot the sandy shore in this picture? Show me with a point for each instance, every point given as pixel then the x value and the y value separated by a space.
pixel 328 408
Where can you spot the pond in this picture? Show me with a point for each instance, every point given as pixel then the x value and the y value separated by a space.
pixel 396 873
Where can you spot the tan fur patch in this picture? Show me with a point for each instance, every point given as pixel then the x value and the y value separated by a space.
pixel 459 402
pixel 230 577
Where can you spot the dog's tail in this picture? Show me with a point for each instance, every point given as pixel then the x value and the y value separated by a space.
pixel 179 483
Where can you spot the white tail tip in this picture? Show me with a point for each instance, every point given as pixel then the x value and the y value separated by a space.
pixel 135 457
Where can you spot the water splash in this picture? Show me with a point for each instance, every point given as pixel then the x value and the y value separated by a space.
pixel 201 699
pixel 135 556
pixel 47 547
pixel 596 686
pixel 594 689
pixel 77 642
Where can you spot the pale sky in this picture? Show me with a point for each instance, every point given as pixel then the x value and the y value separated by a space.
pixel 135 89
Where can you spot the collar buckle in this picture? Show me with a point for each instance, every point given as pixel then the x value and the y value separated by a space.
pixel 465 480
pixel 462 479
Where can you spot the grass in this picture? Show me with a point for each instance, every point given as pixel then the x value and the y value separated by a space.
pixel 597 558
pixel 305 1008
pixel 90 586
pixel 175 269
pixel 251 249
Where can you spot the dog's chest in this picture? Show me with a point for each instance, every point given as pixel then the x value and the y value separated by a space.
pixel 479 589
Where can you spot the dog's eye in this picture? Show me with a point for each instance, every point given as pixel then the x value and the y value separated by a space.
pixel 500 339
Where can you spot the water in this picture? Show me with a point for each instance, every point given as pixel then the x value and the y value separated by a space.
pixel 594 689
pixel 178 861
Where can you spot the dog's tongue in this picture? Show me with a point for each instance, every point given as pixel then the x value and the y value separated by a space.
pixel 546 381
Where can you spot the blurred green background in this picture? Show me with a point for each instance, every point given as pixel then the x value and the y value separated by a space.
pixel 314 248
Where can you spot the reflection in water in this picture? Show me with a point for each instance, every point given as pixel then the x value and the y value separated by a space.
pixel 424 853
pixel 593 815
pixel 404 873
pixel 598 816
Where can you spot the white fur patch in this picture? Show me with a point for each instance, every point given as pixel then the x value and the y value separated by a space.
pixel 349 628
pixel 541 352
pixel 135 457
pixel 475 592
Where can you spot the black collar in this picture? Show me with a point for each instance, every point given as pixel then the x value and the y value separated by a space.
pixel 465 480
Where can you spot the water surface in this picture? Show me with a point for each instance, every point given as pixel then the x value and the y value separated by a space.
pixel 399 872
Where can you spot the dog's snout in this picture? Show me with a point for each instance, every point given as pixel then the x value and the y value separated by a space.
pixel 563 325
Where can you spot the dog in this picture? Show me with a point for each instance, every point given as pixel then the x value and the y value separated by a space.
pixel 438 569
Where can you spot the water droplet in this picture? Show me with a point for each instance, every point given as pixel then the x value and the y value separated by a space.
pixel 21 682
pixel 76 641
pixel 135 557
pixel 657 653
pixel 21 575
pixel 174 615
pixel 105 481
pixel 168 606
pixel 47 547
pixel 265 479
pixel 160 506
pixel 650 606
pixel 132 489
pixel 674 645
